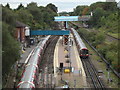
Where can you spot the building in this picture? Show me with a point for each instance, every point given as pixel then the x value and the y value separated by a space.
pixel 110 0
pixel 22 33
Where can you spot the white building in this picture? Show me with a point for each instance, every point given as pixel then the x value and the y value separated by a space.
pixel 110 0
pixel 27 31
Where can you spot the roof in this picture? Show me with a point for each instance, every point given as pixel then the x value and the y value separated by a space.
pixel 20 24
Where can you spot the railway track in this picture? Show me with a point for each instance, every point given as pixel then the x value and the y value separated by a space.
pixel 92 75
pixel 46 67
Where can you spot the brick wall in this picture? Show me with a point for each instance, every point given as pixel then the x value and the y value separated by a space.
pixel 20 34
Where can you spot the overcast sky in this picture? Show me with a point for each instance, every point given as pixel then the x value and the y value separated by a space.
pixel 63 5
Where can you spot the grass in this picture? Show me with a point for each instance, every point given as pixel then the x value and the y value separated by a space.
pixel 103 30
pixel 114 35
pixel 107 42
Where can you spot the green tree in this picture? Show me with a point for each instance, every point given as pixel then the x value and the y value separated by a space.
pixel 112 23
pixel 102 49
pixel 107 6
pixel 112 57
pixel 52 7
pixel 85 11
pixel 20 7
pixel 7 6
pixel 97 14
pixel 79 9
pixel 8 16
pixel 110 6
pixel 24 16
pixel 63 13
pixel 93 6
pixel 10 50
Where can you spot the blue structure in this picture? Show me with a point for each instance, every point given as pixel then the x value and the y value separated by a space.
pixel 49 32
pixel 66 18
pixel 72 18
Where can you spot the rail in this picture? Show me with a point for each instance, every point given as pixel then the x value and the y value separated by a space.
pixel 47 65
pixel 92 73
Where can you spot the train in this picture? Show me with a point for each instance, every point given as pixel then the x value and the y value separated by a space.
pixel 30 74
pixel 82 49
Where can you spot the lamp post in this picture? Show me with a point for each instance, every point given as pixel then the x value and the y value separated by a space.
pixel 108 69
pixel 70 51
pixel 74 83
pixel 61 76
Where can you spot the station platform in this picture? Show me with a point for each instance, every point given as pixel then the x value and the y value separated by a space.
pixel 76 78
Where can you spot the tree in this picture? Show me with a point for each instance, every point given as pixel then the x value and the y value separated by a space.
pixel 101 37
pixel 24 16
pixel 79 9
pixel 110 6
pixel 20 7
pixel 32 5
pixel 97 14
pixel 10 49
pixel 102 49
pixel 7 6
pixel 8 16
pixel 93 6
pixel 111 23
pixel 112 57
pixel 85 11
pixel 71 13
pixel 43 17
pixel 52 7
pixel 63 13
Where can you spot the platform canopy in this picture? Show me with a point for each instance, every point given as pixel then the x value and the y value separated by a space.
pixel 66 18
pixel 49 32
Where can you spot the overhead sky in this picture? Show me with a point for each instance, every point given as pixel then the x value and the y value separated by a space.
pixel 63 5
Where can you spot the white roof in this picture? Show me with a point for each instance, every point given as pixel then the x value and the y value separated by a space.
pixel 78 39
